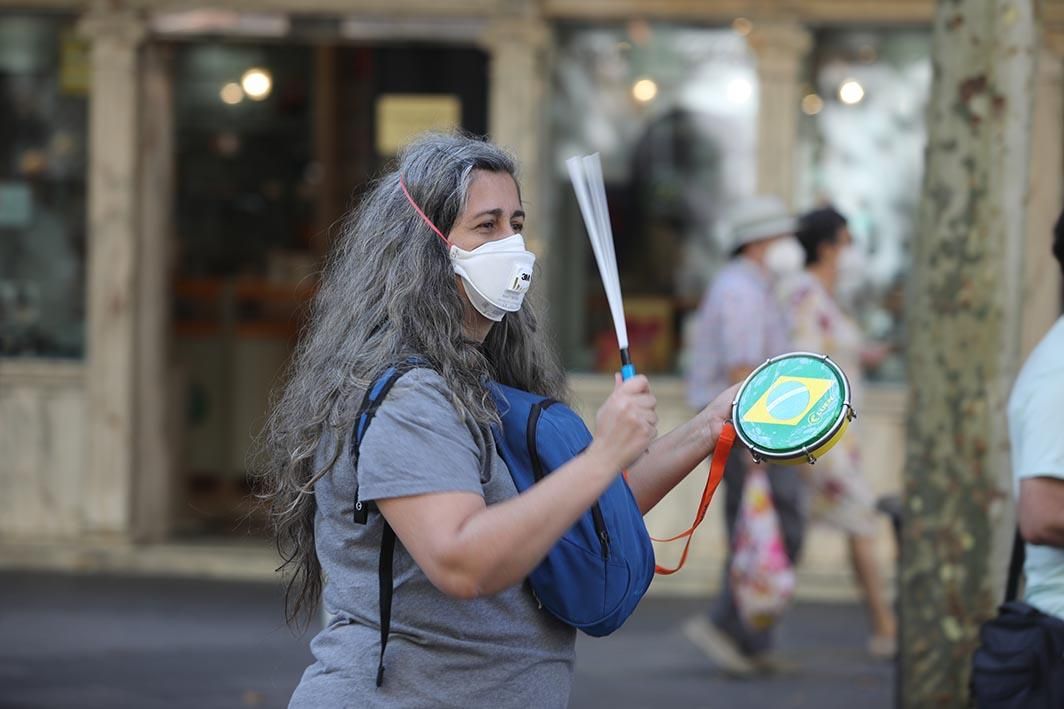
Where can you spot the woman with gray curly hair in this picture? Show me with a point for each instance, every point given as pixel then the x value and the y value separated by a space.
pixel 431 267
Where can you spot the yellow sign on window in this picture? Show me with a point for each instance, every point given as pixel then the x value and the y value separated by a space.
pixel 73 64
pixel 401 117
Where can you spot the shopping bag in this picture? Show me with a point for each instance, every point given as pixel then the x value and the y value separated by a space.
pixel 762 576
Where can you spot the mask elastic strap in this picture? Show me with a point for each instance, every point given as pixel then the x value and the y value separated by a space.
pixel 421 214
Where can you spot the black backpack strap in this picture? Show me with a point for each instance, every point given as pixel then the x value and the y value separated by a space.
pixel 531 431
pixel 371 402
pixel 1012 586
pixel 384 577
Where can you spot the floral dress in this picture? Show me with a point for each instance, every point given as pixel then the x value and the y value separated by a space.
pixel 840 494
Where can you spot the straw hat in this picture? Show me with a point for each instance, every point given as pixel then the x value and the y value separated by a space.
pixel 756 219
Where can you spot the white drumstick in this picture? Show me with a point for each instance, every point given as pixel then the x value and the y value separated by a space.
pixel 589 185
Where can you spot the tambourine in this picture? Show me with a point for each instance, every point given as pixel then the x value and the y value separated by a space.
pixel 790 410
pixel 793 408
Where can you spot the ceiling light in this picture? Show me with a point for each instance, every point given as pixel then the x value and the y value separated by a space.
pixel 257 83
pixel 644 90
pixel 231 93
pixel 812 104
pixel 742 26
pixel 851 92
pixel 740 90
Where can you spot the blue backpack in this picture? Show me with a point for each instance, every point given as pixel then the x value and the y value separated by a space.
pixel 596 574
pixel 598 571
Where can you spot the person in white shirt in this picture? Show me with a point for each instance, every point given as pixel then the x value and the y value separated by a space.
pixel 1037 435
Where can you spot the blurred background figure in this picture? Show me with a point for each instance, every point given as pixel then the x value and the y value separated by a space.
pixel 1038 461
pixel 1009 654
pixel 840 494
pixel 739 325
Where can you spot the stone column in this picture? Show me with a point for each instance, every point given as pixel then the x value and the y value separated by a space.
pixel 780 48
pixel 112 238
pixel 1041 274
pixel 517 113
pixel 153 471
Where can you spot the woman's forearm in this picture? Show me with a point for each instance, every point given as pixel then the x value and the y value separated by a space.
pixel 489 548
pixel 669 460
pixel 505 542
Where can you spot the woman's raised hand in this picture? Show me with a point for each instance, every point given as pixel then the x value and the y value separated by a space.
pixel 627 423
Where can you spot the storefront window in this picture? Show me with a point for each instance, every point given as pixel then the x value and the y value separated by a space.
pixel 43 117
pixel 244 144
pixel 861 148
pixel 672 111
pixel 274 141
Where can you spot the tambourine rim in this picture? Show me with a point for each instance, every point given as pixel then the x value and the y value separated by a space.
pixel 844 413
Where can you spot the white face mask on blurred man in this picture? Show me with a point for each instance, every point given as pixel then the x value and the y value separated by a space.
pixel 784 257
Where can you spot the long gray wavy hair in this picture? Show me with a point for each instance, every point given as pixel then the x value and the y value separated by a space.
pixel 387 292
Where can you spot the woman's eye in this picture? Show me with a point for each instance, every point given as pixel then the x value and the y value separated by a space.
pixel 517 227
pixel 486 225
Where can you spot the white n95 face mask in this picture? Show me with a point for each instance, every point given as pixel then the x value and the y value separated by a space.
pixel 496 275
pixel 784 257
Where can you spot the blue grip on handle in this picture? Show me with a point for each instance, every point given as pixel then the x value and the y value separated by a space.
pixel 627 371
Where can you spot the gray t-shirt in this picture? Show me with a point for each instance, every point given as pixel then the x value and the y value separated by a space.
pixel 498 651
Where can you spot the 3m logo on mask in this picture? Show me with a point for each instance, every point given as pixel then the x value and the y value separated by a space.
pixel 788 400
pixel 521 280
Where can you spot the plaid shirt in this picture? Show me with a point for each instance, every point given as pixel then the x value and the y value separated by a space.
pixel 740 323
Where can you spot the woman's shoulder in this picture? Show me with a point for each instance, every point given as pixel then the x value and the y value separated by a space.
pixel 416 442
pixel 421 377
pixel 413 380
pixel 418 389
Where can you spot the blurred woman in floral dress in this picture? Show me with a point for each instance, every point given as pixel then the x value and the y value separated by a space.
pixel 840 494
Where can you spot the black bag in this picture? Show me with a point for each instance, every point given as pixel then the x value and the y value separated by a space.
pixel 1020 661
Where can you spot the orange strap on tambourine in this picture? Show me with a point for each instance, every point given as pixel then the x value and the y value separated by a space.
pixel 716 474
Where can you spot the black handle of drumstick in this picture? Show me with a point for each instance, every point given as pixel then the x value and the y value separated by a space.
pixel 627 368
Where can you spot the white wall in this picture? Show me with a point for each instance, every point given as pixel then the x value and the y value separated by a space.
pixel 232 379
pixel 42 449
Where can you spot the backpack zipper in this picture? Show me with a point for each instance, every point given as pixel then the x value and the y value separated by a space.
pixel 600 529
pixel 530 438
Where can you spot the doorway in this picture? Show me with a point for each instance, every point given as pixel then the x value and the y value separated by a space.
pixel 273 142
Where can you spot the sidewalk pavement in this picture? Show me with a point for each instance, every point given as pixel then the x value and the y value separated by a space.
pixel 148 643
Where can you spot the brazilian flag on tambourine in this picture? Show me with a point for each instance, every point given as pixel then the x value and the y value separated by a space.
pixel 791 403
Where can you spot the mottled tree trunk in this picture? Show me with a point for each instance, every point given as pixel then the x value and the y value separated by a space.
pixel 964 334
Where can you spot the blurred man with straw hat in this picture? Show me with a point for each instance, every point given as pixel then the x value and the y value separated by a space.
pixel 739 325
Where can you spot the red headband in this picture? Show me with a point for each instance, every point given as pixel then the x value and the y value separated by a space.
pixel 420 213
